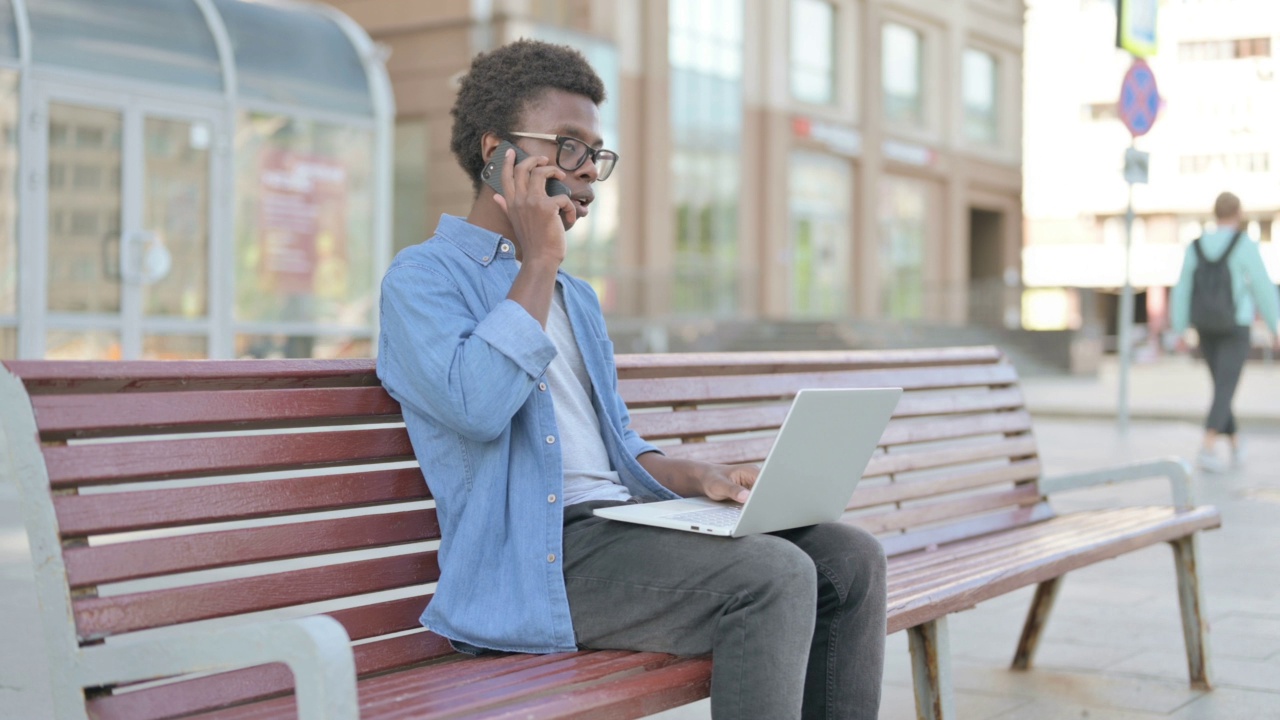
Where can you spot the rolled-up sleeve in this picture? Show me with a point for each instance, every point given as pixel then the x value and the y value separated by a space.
pixel 470 373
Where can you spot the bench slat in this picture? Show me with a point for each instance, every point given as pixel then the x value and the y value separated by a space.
pixel 80 415
pixel 867 496
pixel 80 515
pixel 731 388
pixel 716 421
pixel 94 565
pixel 912 609
pixel 999 521
pixel 100 617
pixel 96 464
pixel 892 463
pixel 754 449
pixel 654 365
pixel 42 377
pixel 948 509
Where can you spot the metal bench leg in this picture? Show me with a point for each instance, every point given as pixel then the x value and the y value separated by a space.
pixel 1037 618
pixel 931 670
pixel 1195 626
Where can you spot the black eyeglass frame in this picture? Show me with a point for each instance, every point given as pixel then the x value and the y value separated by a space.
pixel 593 153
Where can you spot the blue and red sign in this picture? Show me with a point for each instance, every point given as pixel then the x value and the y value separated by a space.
pixel 1139 98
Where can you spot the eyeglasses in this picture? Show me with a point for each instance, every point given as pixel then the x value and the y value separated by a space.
pixel 573 153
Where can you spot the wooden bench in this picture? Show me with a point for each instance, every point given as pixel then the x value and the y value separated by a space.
pixel 233 526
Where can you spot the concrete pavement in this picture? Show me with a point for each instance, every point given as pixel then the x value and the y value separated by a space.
pixel 1113 646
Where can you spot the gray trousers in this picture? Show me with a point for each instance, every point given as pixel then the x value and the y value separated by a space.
pixel 1225 353
pixel 794 620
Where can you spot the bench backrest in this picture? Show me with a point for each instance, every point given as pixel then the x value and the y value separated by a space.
pixel 197 492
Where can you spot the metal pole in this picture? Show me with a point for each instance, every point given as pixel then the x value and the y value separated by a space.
pixel 1124 323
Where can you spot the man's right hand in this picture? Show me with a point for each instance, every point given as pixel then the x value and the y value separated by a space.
pixel 535 216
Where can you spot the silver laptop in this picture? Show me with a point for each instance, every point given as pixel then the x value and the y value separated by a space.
pixel 818 457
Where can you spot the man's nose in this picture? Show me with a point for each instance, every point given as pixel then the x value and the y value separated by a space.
pixel 588 171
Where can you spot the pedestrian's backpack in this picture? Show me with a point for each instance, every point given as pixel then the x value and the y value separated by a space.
pixel 1213 303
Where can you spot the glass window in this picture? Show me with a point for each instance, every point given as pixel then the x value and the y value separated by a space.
pixel 705 53
pixel 175 347
pixel 902 68
pixel 8 31
pixel 82 345
pixel 176 217
pixel 980 96
pixel 903 231
pixel 813 61
pixel 8 343
pixel 156 40
pixel 295 58
pixel 304 222
pixel 8 193
pixel 303 346
pixel 820 194
pixel 84 242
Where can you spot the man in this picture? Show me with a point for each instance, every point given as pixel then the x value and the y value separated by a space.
pixel 503 368
pixel 1226 348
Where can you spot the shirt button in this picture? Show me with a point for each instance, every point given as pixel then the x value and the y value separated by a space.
pixel 504 247
pixel 551 439
pixel 551 557
pixel 551 498
pixel 484 259
pixel 542 387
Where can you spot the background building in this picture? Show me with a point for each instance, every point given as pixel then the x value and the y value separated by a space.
pixel 829 161
pixel 190 179
pixel 1216 131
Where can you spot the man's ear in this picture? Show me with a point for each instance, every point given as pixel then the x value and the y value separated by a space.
pixel 488 143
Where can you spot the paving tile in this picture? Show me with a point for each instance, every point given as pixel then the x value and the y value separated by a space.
pixel 1053 710
pixel 1105 691
pixel 898 703
pixel 1231 704
pixel 1261 675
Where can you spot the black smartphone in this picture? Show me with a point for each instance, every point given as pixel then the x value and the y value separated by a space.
pixel 491 175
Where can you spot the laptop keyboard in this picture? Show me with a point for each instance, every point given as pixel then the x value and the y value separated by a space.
pixel 711 517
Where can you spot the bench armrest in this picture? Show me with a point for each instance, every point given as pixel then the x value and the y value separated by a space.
pixel 317 650
pixel 1176 470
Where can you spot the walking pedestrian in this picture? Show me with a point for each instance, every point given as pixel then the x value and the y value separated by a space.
pixel 1223 286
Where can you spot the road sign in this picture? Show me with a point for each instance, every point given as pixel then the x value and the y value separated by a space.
pixel 1136 27
pixel 1139 98
pixel 1136 163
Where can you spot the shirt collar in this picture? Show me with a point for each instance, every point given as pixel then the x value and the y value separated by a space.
pixel 483 246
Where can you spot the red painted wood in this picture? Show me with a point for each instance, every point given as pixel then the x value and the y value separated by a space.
pixel 80 515
pixel 995 522
pixel 954 480
pixel 101 617
pixel 950 508
pixel 59 376
pixel 728 388
pixel 95 565
pixel 923 459
pixel 748 363
pixel 84 415
pixel 75 465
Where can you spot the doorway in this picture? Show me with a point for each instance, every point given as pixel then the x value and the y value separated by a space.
pixel 986 268
pixel 124 255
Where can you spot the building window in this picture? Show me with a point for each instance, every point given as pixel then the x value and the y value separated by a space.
pixel 409 188
pixel 903 232
pixel 705 53
pixel 820 188
pixel 813 58
pixel 1202 50
pixel 8 212
pixel 1097 112
pixel 902 74
pixel 1258 162
pixel 980 96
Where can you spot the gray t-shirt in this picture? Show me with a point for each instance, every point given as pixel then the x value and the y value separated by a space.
pixel 587 472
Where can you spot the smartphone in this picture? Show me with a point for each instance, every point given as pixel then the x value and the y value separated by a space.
pixel 491 175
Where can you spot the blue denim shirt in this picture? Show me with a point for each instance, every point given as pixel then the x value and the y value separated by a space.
pixel 468 367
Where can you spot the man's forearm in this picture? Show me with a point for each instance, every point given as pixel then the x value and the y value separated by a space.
pixel 681 477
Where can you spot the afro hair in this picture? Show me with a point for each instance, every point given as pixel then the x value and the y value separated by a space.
pixel 500 85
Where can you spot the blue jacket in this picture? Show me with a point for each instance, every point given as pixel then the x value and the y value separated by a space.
pixel 468 368
pixel 1253 290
